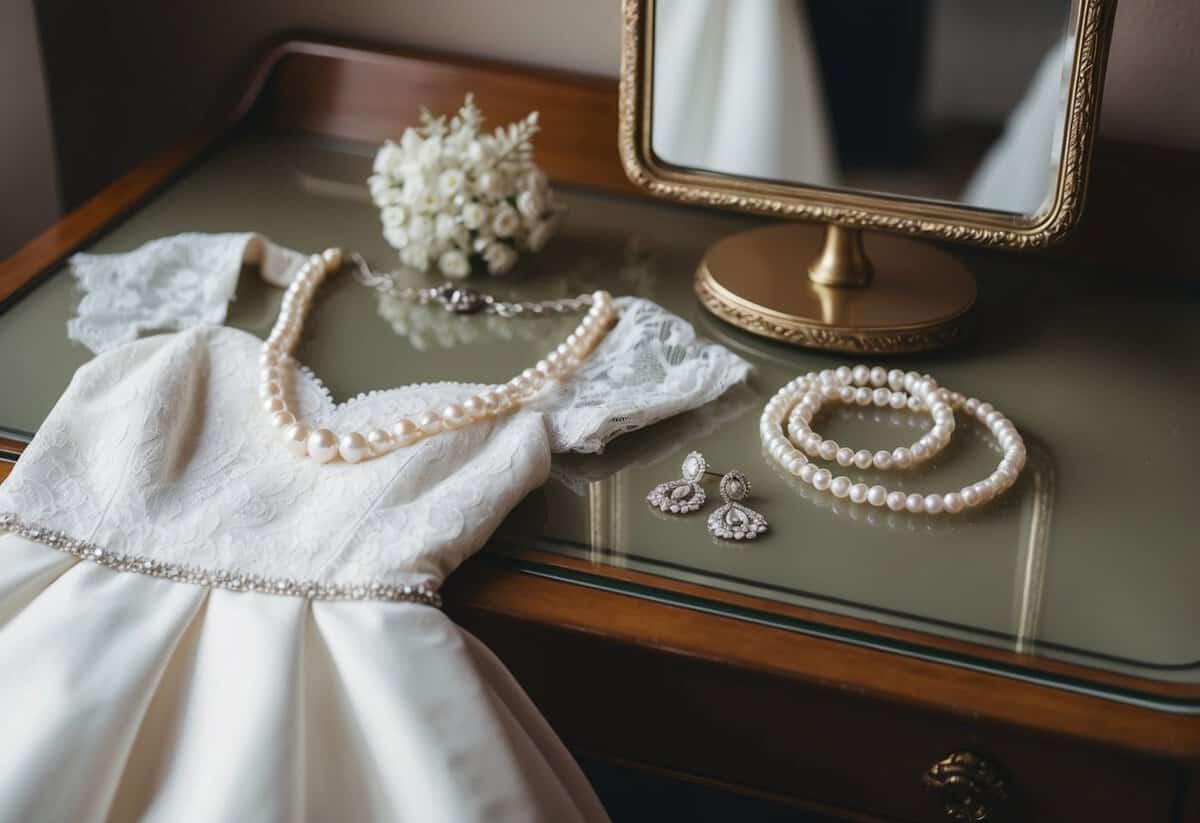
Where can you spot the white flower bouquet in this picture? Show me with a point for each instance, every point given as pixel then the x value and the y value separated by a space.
pixel 459 200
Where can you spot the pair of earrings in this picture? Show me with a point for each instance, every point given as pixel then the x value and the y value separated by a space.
pixel 731 521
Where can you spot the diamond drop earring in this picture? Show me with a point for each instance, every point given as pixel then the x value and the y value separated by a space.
pixel 685 495
pixel 733 521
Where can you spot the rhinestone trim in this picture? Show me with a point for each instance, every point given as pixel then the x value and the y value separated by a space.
pixel 231 581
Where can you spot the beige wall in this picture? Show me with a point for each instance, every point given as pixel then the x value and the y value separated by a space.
pixel 152 68
pixel 130 76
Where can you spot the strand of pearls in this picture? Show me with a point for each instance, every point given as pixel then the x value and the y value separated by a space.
pixel 323 445
pixel 793 407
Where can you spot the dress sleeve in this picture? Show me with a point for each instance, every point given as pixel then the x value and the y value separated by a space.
pixel 649 367
pixel 173 283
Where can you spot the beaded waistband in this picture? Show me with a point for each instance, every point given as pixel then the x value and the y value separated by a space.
pixel 230 580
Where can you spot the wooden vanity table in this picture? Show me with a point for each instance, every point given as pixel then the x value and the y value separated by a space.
pixel 1040 658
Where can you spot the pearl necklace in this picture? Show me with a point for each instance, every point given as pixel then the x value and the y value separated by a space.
pixel 801 399
pixel 323 445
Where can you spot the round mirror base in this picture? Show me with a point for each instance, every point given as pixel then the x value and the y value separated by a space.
pixel 919 298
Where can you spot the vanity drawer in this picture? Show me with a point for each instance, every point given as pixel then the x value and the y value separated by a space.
pixel 820 747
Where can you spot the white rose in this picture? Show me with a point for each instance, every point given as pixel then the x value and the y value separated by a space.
pixel 397 236
pixel 415 256
pixel 377 184
pixel 383 191
pixel 410 169
pixel 491 184
pixel 500 258
pixel 393 215
pixel 388 159
pixel 482 242
pixel 427 202
pixel 445 226
pixel 450 182
pixel 430 152
pixel 506 222
pixel 530 204
pixel 414 188
pixel 474 215
pixel 454 264
pixel 420 227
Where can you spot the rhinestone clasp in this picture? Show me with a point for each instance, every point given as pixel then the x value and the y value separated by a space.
pixel 460 300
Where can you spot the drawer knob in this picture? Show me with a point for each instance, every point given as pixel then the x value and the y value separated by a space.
pixel 970 787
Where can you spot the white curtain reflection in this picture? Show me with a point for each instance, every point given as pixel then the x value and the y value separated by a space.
pixel 1020 170
pixel 737 90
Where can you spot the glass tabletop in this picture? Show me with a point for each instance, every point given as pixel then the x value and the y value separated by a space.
pixel 1090 561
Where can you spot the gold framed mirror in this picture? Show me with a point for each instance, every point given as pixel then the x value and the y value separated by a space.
pixel 877 124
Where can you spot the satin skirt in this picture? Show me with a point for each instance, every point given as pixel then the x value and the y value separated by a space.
pixel 126 697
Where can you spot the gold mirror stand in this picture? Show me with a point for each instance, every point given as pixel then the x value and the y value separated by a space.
pixel 835 288
pixel 846 292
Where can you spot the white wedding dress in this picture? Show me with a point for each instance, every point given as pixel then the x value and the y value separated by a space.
pixel 197 626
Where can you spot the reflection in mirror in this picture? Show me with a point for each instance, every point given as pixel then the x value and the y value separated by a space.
pixel 958 101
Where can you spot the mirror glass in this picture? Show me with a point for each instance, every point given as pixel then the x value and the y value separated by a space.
pixel 951 101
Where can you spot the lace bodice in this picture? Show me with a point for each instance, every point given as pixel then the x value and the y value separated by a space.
pixel 159 448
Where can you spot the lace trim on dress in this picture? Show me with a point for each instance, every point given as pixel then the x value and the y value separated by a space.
pixel 172 283
pixel 650 366
pixel 233 581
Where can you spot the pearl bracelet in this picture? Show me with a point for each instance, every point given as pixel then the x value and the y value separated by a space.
pixel 798 401
pixel 868 387
pixel 323 445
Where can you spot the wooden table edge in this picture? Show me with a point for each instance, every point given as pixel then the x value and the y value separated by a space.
pixel 482 587
pixel 1184 698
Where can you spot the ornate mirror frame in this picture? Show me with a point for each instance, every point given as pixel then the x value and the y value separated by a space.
pixel 1091 25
